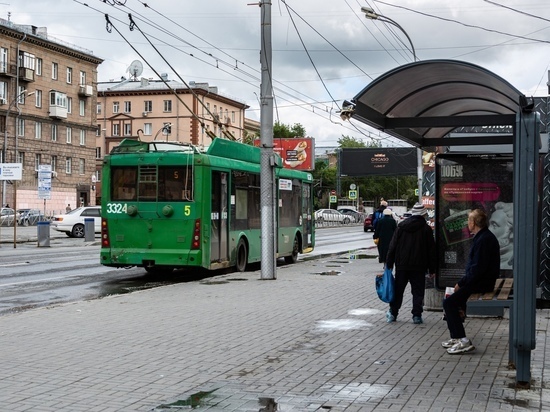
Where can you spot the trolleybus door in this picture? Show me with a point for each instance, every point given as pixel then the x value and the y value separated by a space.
pixel 218 219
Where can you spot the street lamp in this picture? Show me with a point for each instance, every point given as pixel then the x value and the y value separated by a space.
pixel 372 15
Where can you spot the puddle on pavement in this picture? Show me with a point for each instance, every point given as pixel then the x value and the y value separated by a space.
pixel 328 273
pixel 193 401
pixel 267 404
pixel 342 324
pixel 365 312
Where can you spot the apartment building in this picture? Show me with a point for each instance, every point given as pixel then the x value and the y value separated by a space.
pixel 164 109
pixel 48 118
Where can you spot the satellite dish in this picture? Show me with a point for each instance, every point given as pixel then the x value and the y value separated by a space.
pixel 135 69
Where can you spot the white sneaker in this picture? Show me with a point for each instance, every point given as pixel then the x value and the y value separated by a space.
pixel 450 343
pixel 461 347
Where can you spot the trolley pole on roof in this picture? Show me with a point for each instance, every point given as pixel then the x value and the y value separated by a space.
pixel 267 175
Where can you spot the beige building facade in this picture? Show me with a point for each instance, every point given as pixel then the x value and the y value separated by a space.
pixel 164 110
pixel 47 118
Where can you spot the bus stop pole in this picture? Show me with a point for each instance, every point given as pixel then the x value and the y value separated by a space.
pixel 267 179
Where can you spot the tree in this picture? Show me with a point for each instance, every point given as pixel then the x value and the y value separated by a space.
pixel 281 130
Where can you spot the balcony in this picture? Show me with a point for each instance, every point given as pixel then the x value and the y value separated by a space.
pixel 85 90
pixel 26 75
pixel 58 112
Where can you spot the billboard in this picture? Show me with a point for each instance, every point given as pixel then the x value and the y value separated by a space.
pixel 465 182
pixel 296 153
pixel 378 161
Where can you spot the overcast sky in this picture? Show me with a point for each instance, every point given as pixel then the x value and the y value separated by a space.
pixel 324 51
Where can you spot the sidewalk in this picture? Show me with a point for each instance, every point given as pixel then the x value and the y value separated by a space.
pixel 315 339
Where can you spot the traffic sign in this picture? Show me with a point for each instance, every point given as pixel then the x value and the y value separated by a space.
pixel 352 194
pixel 332 199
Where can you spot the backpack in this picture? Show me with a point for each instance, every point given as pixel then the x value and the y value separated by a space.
pixel 377 215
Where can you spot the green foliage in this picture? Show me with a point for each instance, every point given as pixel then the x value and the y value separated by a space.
pixel 281 130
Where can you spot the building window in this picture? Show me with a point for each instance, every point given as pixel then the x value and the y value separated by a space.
pixel 116 107
pixel 82 137
pixel 27 60
pixel 38 130
pixel 98 130
pixel 3 91
pixel 69 104
pixel 55 69
pixel 39 63
pixel 21 94
pixel 127 107
pixel 127 129
pixel 82 107
pixel 233 117
pixel 148 106
pixel 148 129
pixel 68 165
pixel 98 108
pixel 69 75
pixel 58 99
pixel 116 129
pixel 81 166
pixel 168 105
pixel 53 163
pixel 54 133
pixel 38 98
pixel 37 161
pixel 20 158
pixel 20 127
pixel 82 77
pixel 3 60
pixel 69 135
pixel 98 152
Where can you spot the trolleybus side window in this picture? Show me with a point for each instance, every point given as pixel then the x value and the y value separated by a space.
pixel 175 183
pixel 245 211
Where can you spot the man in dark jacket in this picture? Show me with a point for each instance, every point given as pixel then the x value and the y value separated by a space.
pixel 412 250
pixel 482 270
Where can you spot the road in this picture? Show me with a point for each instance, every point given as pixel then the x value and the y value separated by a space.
pixel 69 270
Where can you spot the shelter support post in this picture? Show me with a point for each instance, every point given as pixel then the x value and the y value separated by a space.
pixel 526 170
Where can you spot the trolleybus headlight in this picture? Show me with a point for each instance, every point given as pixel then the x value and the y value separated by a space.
pixel 167 210
pixel 132 210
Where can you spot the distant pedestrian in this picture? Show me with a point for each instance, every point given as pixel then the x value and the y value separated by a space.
pixel 412 250
pixel 379 213
pixel 482 270
pixel 7 205
pixel 384 233
pixel 68 208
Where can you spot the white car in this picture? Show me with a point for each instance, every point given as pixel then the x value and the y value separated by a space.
pixel 72 223
pixel 331 215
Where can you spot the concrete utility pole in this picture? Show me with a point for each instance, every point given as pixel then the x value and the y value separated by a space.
pixel 267 175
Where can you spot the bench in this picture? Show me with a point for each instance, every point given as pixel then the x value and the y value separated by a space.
pixel 492 303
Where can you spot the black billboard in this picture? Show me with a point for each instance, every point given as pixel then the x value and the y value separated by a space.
pixel 381 161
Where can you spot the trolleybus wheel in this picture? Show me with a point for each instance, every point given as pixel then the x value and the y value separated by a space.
pixel 294 257
pixel 242 255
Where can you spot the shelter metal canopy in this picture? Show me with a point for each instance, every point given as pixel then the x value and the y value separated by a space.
pixel 422 102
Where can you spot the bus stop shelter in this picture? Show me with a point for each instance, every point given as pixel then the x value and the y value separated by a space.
pixel 421 103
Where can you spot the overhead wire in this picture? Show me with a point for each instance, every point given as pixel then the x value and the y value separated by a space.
pixel 315 110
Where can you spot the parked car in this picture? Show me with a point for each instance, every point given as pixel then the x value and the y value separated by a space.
pixel 367 224
pixel 72 223
pixel 7 216
pixel 28 217
pixel 331 215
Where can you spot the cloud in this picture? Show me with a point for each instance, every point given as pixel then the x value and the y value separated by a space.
pixel 219 42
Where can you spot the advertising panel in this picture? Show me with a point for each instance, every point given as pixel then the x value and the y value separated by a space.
pixel 466 182
pixel 296 153
pixel 378 161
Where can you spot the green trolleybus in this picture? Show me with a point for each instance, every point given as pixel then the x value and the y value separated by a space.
pixel 168 205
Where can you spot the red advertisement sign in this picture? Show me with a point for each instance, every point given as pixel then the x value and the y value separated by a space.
pixel 296 153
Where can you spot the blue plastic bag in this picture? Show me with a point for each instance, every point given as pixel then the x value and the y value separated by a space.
pixel 384 286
